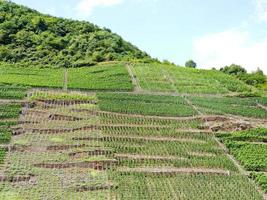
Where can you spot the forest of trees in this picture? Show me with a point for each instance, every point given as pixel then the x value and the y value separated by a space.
pixel 28 37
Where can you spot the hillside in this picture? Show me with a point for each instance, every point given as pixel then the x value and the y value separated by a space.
pixel 119 130
pixel 29 37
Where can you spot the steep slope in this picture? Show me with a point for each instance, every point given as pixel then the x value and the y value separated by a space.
pixel 29 37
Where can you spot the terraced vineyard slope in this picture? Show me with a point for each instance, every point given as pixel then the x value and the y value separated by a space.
pixel 170 79
pixel 66 147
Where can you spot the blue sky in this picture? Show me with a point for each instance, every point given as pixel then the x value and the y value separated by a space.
pixel 214 33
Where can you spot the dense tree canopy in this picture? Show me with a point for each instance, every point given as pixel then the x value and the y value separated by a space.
pixel 26 36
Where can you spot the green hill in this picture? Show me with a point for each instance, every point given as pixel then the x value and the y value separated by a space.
pixel 126 129
pixel 29 37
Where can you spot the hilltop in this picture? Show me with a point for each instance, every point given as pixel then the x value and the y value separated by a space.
pixel 29 37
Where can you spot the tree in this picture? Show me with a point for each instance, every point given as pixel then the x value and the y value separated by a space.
pixel 233 70
pixel 39 24
pixel 254 78
pixel 191 64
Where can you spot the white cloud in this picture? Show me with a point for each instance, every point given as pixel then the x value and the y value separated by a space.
pixel 85 7
pixel 231 46
pixel 261 9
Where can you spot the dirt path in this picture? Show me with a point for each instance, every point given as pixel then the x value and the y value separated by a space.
pixel 135 81
pixel 262 106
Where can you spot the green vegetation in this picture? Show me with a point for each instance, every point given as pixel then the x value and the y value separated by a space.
pixel 104 77
pixel 31 76
pixel 256 78
pixel 137 133
pixel 145 150
pixel 29 37
pixel 187 187
pixel 5 135
pixel 169 78
pixel 145 104
pixel 9 111
pixel 12 92
pixel 2 155
pixel 250 148
pixel 261 179
pixel 246 107
pixel 46 95
pixel 8 115
pixel 190 64
pixel 61 141
pixel 141 120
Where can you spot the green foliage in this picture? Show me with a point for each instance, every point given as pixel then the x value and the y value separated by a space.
pixel 250 148
pixel 252 156
pixel 5 135
pixel 31 76
pixel 44 95
pixel 9 111
pixel 145 104
pixel 254 78
pixel 103 77
pixel 170 78
pixel 233 70
pixel 2 155
pixel 135 185
pixel 28 37
pixel 191 64
pixel 252 135
pixel 261 179
pixel 246 107
pixel 12 91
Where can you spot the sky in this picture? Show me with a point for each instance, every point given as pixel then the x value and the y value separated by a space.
pixel 214 33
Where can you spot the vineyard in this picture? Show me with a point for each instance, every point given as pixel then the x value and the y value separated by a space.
pixel 9 113
pixel 84 146
pixel 169 78
pixel 86 115
pixel 104 77
pixel 129 132
pixel 250 148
